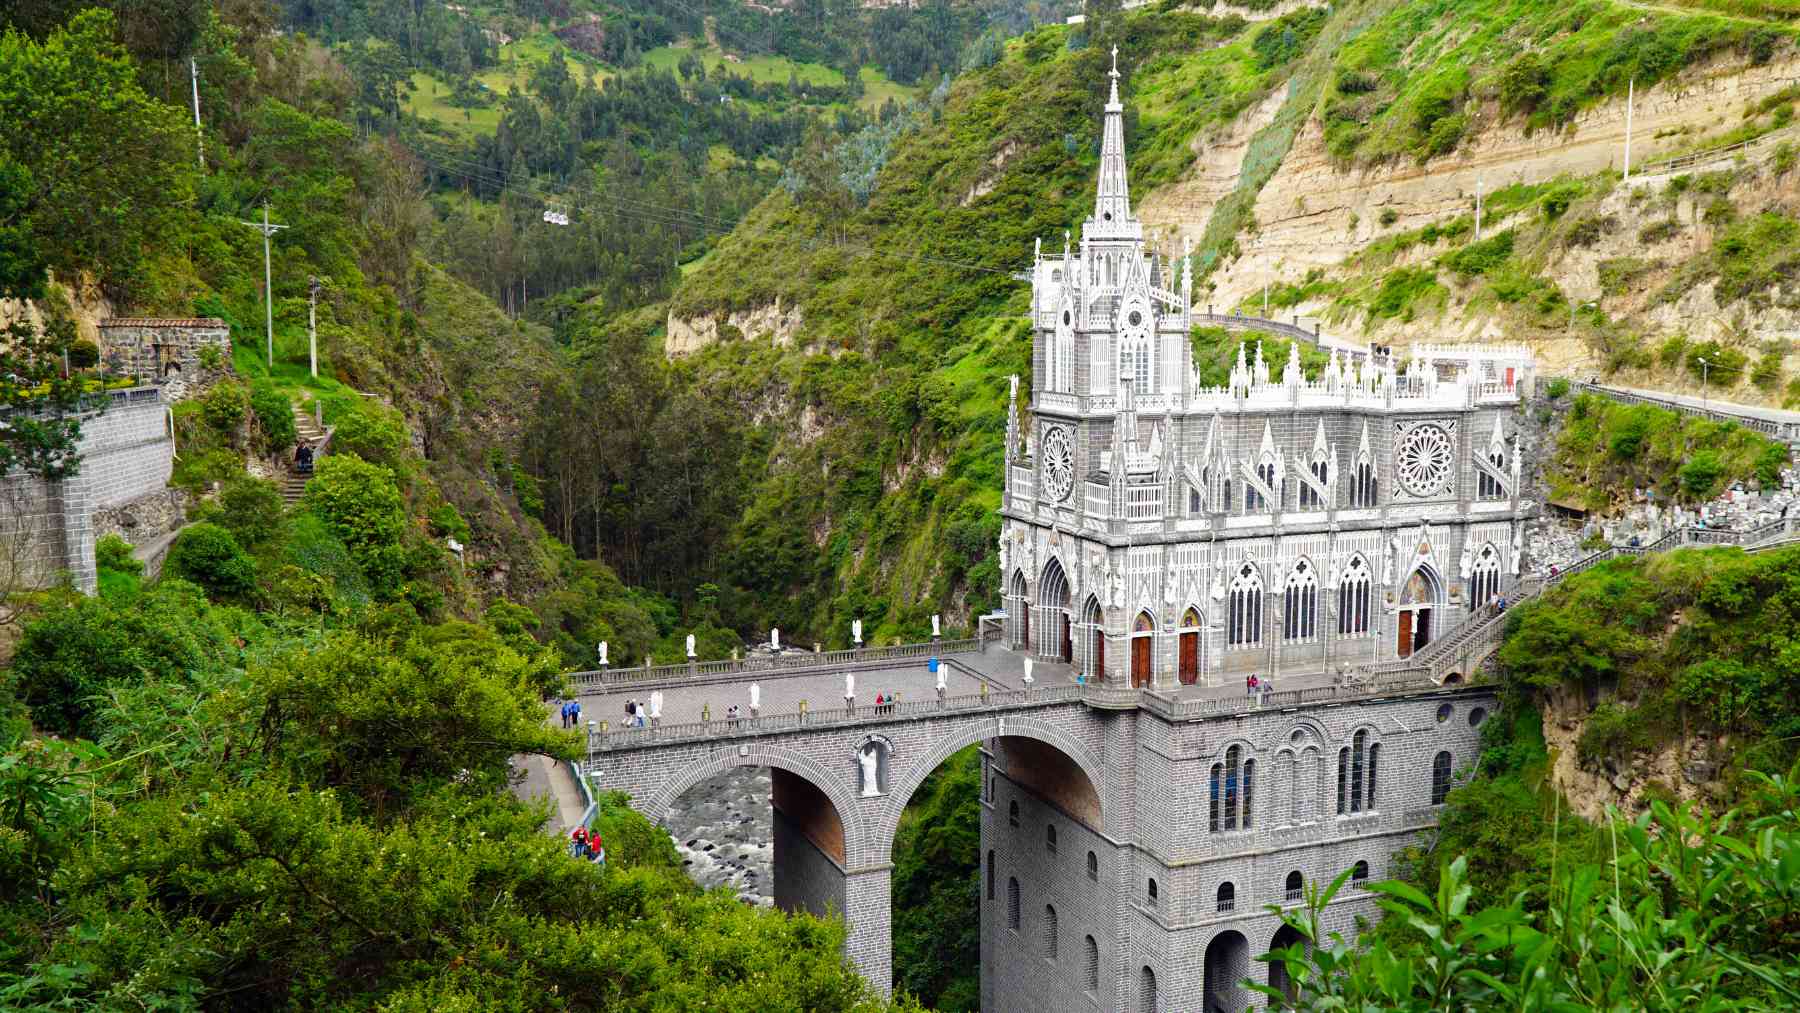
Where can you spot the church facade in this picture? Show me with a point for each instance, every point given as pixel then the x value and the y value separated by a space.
pixel 1164 533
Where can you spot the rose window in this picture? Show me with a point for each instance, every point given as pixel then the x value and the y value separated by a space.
pixel 1059 463
pixel 1424 459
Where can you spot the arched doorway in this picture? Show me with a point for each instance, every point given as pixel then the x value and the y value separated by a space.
pixel 1053 600
pixel 1093 621
pixel 1143 638
pixel 1188 665
pixel 1227 967
pixel 1420 594
pixel 1279 979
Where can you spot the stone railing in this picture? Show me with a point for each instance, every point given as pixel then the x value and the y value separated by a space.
pixel 607 739
pixel 1354 688
pixel 1460 645
pixel 690 673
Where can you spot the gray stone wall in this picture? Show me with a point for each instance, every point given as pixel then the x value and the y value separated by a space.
pixel 1153 781
pixel 806 878
pixel 163 352
pixel 127 453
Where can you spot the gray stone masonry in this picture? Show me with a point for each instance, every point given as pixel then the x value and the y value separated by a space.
pixel 1128 779
pixel 127 454
pixel 164 352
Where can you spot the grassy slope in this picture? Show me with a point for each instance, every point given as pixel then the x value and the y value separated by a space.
pixel 1428 72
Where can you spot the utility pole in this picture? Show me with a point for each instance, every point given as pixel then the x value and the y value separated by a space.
pixel 1630 100
pixel 267 230
pixel 199 137
pixel 312 326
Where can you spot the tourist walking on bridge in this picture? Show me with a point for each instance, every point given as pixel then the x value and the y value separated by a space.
pixel 850 692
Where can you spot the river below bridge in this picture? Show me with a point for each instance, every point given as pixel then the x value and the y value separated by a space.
pixel 724 831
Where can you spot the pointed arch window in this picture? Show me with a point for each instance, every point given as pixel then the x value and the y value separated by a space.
pixel 1310 499
pixel 1363 491
pixel 1230 792
pixel 1354 589
pixel 1253 499
pixel 1301 618
pixel 1486 485
pixel 1244 612
pixel 1356 774
pixel 1484 579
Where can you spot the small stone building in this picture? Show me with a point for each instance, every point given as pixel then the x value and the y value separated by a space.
pixel 163 352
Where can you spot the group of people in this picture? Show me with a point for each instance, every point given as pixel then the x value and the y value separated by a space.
pixel 636 714
pixel 571 714
pixel 1256 684
pixel 587 845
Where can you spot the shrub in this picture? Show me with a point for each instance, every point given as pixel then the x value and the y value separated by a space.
pixel 1557 389
pixel 274 416
pixel 1617 273
pixel 224 408
pixel 1767 373
pixel 81 646
pixel 114 553
pixel 1480 258
pixel 1389 216
pixel 361 505
pixel 1589 228
pixel 1700 474
pixel 1672 350
pixel 207 555
pixel 372 432
pixel 249 508
pixel 84 354
pixel 1657 232
pixel 1524 84
pixel 446 521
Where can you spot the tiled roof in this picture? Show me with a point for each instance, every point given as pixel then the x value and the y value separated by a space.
pixel 162 322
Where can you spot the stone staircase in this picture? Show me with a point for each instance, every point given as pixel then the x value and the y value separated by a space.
pixel 308 433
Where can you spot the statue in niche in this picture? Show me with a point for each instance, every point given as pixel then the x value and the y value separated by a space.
pixel 870 759
pixel 1115 588
pixel 1468 560
pixel 1387 561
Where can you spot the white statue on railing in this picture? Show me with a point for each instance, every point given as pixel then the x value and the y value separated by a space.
pixel 774 638
pixel 656 701
pixel 690 647
pixel 935 630
pixel 870 758
pixel 1028 680
pixel 602 654
pixel 856 631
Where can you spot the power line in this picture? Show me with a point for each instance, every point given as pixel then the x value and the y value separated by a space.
pixel 661 214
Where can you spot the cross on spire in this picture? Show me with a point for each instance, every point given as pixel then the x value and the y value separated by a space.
pixel 1112 198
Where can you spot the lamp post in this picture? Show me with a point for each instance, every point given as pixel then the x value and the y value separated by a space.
pixel 1704 366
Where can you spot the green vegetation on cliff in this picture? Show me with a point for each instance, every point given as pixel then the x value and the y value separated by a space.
pixel 1606 450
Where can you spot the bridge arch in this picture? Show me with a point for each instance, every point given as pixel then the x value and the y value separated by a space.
pixel 908 780
pixel 835 787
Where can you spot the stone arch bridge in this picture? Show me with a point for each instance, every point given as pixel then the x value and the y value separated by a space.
pixel 1095 801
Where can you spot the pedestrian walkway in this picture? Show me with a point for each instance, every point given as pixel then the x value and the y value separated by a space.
pixel 548 777
pixel 1776 423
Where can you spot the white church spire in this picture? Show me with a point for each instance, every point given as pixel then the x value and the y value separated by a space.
pixel 1112 196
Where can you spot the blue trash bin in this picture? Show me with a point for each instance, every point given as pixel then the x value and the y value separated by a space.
pixel 931 666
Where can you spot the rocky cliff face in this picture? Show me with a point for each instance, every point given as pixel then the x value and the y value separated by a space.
pixel 1317 216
